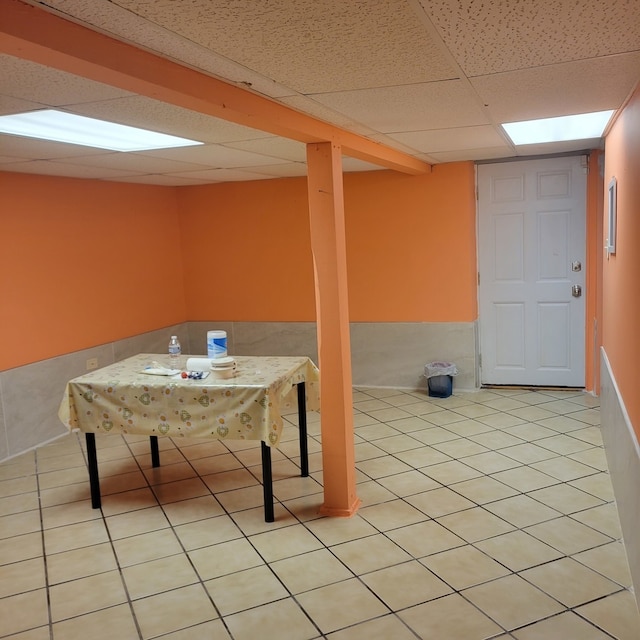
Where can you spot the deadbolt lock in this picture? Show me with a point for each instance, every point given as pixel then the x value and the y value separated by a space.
pixel 576 265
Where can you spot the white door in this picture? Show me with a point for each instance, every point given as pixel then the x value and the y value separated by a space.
pixel 531 254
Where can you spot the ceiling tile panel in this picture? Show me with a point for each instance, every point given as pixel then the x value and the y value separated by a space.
pixel 309 45
pixel 430 78
pixel 561 89
pixel 10 160
pixel 30 81
pixel 139 111
pixel 288 170
pixel 212 155
pixel 135 163
pixel 456 139
pixel 223 175
pixel 33 149
pixel 125 25
pixel 10 105
pixel 274 147
pixel 491 36
pixel 307 104
pixel 60 168
pixel 491 153
pixel 433 105
pixel 161 179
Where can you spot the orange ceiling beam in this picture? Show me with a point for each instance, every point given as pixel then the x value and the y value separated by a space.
pixel 37 35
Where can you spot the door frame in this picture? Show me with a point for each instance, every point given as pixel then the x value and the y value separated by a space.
pixel 594 257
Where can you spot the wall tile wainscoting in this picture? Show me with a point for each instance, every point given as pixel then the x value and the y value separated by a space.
pixel 30 394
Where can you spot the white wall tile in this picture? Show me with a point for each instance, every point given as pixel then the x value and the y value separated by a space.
pixel 623 458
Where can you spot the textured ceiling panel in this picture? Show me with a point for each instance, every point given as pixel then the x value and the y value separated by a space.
pixel 223 175
pixel 287 170
pixel 49 168
pixel 430 78
pixel 308 105
pixel 563 90
pixel 30 148
pixel 453 139
pixel 434 105
pixel 213 155
pixel 309 45
pixel 490 36
pixel 121 23
pixel 274 146
pixel 134 163
pixel 490 153
pixel 30 81
pixel 9 105
pixel 400 146
pixel 139 111
pixel 164 180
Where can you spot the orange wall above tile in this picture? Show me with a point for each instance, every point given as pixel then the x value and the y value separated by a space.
pixel 411 252
pixel 86 262
pixel 621 302
pixel 411 245
pixel 247 251
pixel 83 263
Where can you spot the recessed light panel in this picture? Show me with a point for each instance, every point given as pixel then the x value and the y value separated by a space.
pixel 578 127
pixel 59 126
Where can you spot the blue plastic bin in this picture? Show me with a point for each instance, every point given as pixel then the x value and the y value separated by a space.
pixel 440 386
pixel 440 378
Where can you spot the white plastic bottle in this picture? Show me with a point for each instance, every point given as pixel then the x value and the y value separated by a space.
pixel 175 350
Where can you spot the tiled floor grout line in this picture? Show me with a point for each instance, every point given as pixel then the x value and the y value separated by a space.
pixel 201 580
pixel 119 567
pixel 246 537
pixel 394 495
pixel 354 575
pixel 461 592
pixel 178 539
pixel 44 550
pixel 266 563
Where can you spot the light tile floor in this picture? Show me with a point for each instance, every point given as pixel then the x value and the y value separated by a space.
pixel 484 515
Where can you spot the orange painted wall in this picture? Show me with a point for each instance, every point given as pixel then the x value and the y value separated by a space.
pixel 411 245
pixel 621 272
pixel 84 262
pixel 247 251
pixel 411 254
pixel 80 258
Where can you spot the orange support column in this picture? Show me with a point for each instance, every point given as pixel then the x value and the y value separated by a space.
pixel 326 215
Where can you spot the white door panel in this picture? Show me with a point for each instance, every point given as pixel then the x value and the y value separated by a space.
pixel 531 228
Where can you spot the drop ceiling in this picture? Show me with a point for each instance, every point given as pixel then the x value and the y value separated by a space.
pixel 431 78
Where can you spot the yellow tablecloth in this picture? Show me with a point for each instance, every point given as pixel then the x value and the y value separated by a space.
pixel 121 398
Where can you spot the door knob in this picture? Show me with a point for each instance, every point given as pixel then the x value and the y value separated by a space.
pixel 576 290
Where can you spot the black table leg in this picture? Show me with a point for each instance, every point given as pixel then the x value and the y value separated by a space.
pixel 267 483
pixel 302 422
pixel 94 480
pixel 155 453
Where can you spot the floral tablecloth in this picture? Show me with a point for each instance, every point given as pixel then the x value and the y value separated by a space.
pixel 121 398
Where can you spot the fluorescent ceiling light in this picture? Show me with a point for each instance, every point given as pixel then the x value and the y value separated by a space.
pixel 578 127
pixel 60 126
